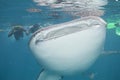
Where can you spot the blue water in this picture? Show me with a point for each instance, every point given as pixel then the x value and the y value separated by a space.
pixel 17 61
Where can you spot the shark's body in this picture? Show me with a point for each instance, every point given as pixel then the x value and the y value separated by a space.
pixel 68 48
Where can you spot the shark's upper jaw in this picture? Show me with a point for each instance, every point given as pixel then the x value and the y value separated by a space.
pixel 59 31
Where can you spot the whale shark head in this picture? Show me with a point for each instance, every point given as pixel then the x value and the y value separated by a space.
pixel 69 47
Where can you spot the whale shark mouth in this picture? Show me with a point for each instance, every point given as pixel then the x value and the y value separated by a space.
pixel 52 32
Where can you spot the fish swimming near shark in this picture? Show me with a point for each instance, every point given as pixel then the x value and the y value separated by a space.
pixel 68 48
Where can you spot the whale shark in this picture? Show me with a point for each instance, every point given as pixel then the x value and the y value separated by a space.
pixel 68 48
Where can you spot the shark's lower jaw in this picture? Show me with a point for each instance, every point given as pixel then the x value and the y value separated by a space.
pixel 75 51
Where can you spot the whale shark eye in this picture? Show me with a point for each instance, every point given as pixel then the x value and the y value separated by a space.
pixel 94 23
pixel 40 38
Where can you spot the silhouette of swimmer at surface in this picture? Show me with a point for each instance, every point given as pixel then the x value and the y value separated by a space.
pixel 17 31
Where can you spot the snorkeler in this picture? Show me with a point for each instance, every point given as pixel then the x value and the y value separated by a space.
pixel 17 31
pixel 116 26
pixel 33 28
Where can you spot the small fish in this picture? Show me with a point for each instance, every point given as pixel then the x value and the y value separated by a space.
pixel 1 30
pixel 92 76
pixel 33 10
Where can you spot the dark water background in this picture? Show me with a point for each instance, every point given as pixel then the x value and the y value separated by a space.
pixel 18 63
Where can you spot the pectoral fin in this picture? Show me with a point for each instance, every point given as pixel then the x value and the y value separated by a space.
pixel 47 75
